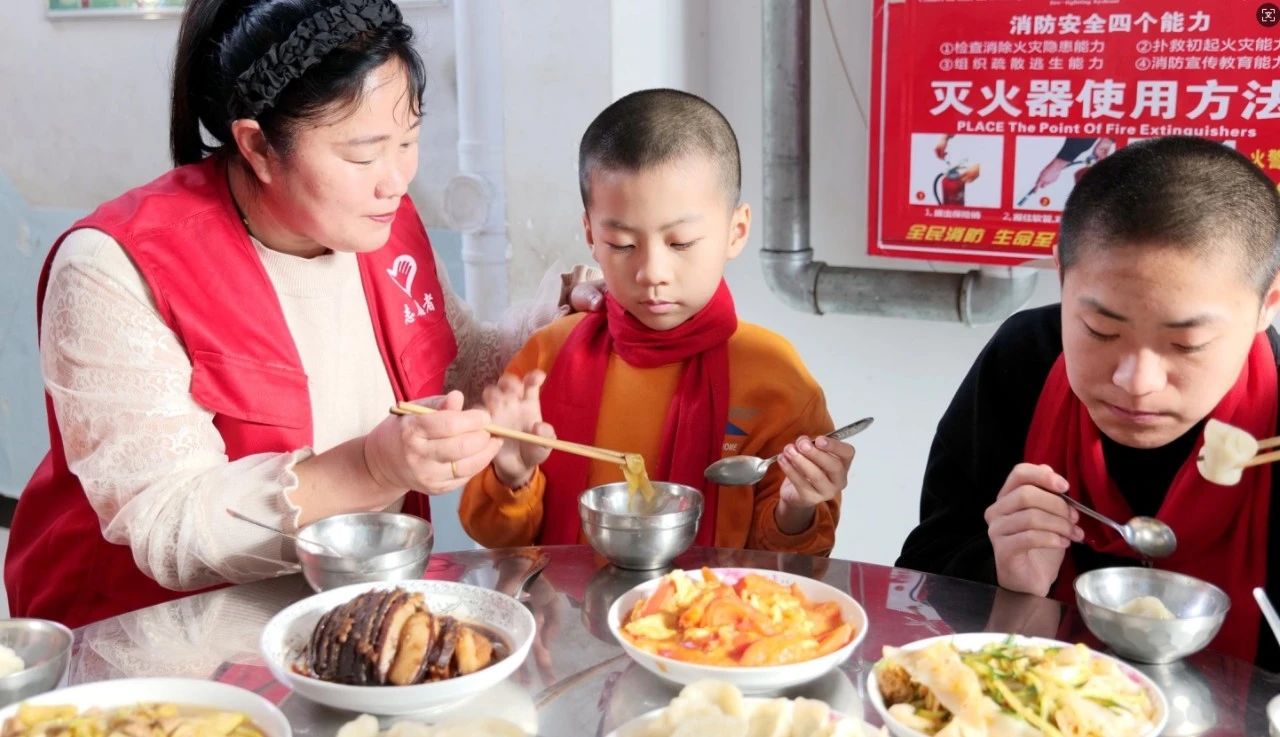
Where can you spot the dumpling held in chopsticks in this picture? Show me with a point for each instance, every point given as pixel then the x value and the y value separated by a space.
pixel 1226 450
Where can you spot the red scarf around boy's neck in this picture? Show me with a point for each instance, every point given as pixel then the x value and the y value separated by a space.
pixel 1222 530
pixel 695 419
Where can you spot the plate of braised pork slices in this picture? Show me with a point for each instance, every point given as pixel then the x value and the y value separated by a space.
pixel 397 648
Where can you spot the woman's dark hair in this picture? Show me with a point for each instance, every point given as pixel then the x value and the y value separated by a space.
pixel 1180 192
pixel 285 63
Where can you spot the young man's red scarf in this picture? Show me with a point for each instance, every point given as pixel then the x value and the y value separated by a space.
pixel 1221 530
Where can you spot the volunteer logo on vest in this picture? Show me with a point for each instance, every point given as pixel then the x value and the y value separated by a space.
pixel 402 271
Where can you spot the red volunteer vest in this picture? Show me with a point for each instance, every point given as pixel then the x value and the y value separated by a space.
pixel 184 234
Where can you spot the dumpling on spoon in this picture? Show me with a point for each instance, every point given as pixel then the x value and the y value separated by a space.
pixel 1226 449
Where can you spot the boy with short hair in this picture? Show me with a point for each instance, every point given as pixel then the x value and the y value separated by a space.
pixel 1168 263
pixel 667 370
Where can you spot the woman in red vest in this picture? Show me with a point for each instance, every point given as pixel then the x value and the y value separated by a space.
pixel 232 333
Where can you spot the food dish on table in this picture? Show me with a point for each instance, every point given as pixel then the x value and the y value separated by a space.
pixel 718 709
pixel 145 707
pixel 1014 686
pixel 367 726
pixel 389 637
pixel 752 622
pixel 141 720
pixel 791 651
pixel 286 643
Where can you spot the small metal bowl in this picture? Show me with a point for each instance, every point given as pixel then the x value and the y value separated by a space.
pixel 375 546
pixel 45 648
pixel 636 534
pixel 1199 608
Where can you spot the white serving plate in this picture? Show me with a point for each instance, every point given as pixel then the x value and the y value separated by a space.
pixel 748 679
pixel 287 634
pixel 750 703
pixel 978 640
pixel 184 692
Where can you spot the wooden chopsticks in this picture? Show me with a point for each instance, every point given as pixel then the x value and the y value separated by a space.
pixel 587 451
pixel 1261 458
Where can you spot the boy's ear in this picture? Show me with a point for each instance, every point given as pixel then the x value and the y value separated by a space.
pixel 1270 305
pixel 739 229
pixel 587 234
pixel 586 230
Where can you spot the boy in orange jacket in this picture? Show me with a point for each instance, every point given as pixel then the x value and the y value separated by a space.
pixel 667 370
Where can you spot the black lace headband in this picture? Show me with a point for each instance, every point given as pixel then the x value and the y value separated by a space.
pixel 260 84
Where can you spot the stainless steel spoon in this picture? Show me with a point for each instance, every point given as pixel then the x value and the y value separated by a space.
pixel 1147 535
pixel 521 588
pixel 745 470
pixel 282 533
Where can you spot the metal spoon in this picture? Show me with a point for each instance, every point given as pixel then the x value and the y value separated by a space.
pixel 282 533
pixel 744 470
pixel 1147 535
pixel 521 588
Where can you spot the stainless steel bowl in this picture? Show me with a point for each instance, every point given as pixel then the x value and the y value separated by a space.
pixel 636 534
pixel 375 546
pixel 1199 608
pixel 45 649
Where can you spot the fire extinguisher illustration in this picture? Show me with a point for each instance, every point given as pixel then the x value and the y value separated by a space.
pixel 948 187
pixel 1101 149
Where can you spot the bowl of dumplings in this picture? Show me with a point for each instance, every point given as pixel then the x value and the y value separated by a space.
pixel 713 708
pixel 1148 615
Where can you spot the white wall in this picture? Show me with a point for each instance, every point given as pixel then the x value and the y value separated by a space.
pixel 556 71
pixel 659 43
pixel 86 104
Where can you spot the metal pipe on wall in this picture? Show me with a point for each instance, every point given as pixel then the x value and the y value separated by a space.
pixel 979 296
pixel 475 200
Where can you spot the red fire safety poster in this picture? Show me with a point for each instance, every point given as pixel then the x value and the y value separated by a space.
pixel 985 112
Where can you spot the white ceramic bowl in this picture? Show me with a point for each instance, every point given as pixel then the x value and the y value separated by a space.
pixel 637 692
pixel 181 691
pixel 1273 716
pixel 286 636
pixel 748 679
pixel 977 640
pixel 637 725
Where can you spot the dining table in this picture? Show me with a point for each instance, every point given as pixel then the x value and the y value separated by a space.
pixel 578 681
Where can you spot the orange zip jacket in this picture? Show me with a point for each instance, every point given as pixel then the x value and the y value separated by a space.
pixel 772 401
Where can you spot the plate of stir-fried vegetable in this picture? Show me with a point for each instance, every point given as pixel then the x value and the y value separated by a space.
pixel 1003 685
